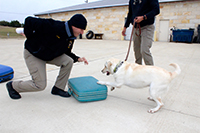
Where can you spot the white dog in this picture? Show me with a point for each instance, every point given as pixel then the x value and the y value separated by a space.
pixel 139 76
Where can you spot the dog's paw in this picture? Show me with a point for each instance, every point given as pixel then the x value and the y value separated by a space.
pixel 101 82
pixel 154 110
pixel 112 88
pixel 151 111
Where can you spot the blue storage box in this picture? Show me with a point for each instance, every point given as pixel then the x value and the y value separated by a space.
pixel 183 35
pixel 6 73
pixel 86 89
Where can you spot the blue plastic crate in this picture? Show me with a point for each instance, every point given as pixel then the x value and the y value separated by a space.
pixel 183 35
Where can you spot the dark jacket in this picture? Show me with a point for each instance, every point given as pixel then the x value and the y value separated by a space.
pixel 48 38
pixel 150 8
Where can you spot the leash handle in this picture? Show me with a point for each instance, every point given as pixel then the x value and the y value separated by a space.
pixel 139 28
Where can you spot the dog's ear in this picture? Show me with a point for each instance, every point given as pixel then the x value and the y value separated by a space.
pixel 109 64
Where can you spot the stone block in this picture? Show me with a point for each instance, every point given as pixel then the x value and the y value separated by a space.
pixel 185 21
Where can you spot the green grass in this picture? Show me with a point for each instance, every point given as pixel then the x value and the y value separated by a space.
pixel 11 30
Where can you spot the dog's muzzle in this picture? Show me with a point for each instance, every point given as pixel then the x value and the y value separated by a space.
pixel 107 73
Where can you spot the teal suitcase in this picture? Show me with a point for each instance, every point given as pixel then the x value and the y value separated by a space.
pixel 86 89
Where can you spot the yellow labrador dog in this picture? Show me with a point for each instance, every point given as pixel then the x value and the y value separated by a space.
pixel 139 76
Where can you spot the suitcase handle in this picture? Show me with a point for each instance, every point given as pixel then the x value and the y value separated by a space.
pixel 70 91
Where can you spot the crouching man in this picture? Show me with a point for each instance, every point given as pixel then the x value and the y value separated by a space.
pixel 48 41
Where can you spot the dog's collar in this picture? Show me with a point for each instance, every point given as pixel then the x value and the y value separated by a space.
pixel 117 66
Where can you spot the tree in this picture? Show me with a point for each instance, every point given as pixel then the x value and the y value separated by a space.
pixel 15 23
pixel 4 23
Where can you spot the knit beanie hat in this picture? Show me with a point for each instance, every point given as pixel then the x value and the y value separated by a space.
pixel 79 21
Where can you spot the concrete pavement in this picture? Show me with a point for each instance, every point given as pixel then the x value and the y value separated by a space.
pixel 124 110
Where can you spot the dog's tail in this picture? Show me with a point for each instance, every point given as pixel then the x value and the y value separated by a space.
pixel 177 70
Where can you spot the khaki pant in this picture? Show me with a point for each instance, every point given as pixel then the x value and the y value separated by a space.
pixel 143 43
pixel 37 69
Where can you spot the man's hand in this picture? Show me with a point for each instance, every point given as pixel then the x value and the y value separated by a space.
pixel 124 31
pixel 23 34
pixel 83 60
pixel 139 19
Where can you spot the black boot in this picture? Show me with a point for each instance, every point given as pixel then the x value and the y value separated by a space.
pixel 12 92
pixel 57 91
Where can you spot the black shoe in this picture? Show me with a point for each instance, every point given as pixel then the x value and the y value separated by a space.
pixel 12 93
pixel 57 91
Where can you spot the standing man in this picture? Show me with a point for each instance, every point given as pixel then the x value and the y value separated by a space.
pixel 48 41
pixel 143 12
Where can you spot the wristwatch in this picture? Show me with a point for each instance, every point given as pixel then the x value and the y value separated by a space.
pixel 144 17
